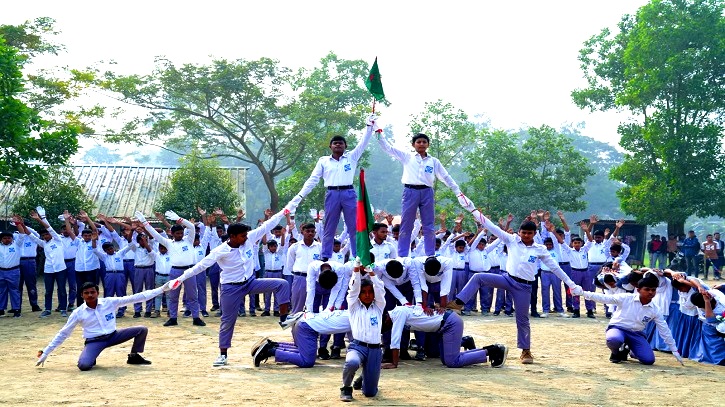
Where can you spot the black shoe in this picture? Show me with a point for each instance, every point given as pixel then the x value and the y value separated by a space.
pixel 467 343
pixel 241 314
pixel 614 358
pixel 187 314
pixel 590 314
pixel 136 359
pixel 420 355
pixel 263 353
pixel 575 314
pixel 147 314
pixel 404 355
pixel 214 308
pixel 324 259
pixel 357 384
pixel 2 312
pixel 199 322
pixel 36 308
pixel 323 353
pixel 335 353
pixel 346 393
pixel 497 354
pixel 119 314
pixel 171 322
pixel 608 315
pixel 496 313
pixel 252 314
pixel 536 315
pixel 276 313
pixel 137 314
pixel 264 314
pixel 16 313
pixel 258 345
pixel 569 309
pixel 204 314
pixel 412 345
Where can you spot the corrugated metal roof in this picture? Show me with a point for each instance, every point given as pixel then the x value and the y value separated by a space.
pixel 120 190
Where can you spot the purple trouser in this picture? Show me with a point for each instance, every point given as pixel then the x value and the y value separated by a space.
pixel 460 278
pixel 231 298
pixel 521 293
pixel 29 279
pixel 566 268
pixel 190 298
pixel 9 283
pixel 414 200
pixel 485 295
pixel 451 334
pixel 636 340
pixel 115 283
pixel 592 272
pixel 143 276
pixel 370 359
pixel 299 293
pixel 581 278
pixel 337 201
pixel 95 346
pixel 214 272
pixel 129 270
pixel 268 296
pixel 304 352
pixel 201 290
pixel 550 282
pixel 504 300
pixel 70 266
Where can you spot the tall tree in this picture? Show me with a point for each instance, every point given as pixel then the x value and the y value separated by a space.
pixel 254 111
pixel 666 65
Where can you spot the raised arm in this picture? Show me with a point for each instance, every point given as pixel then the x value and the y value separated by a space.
pixel 392 151
pixel 358 151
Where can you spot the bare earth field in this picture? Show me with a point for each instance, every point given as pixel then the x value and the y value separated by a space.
pixel 571 368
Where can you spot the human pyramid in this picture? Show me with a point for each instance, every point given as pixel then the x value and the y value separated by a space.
pixel 322 290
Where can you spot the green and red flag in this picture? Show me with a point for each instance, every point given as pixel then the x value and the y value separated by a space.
pixel 373 83
pixel 364 223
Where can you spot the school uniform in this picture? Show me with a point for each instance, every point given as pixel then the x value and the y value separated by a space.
pixel 28 269
pixel 144 272
pixel 299 257
pixel 200 253
pixel 87 266
pixel 550 283
pixel 273 268
pixel 579 262
pixel 70 248
pixel 115 278
pixel 54 271
pixel 712 345
pixel 327 299
pixel 162 268
pixel 436 286
pixel 498 258
pixel 382 251
pixel 10 255
pixel 214 270
pixel 305 332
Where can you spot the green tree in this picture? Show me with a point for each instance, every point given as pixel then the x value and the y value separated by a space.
pixel 58 192
pixel 666 65
pixel 197 183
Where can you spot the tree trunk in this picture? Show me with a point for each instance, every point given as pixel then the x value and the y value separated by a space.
pixel 273 195
pixel 676 228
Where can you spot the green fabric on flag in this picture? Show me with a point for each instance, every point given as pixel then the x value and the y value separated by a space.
pixel 373 83
pixel 364 224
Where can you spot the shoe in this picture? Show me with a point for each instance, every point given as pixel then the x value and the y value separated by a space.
pixel 614 358
pixel 543 315
pixel 45 314
pixel 569 309
pixel 562 314
pixel 497 354
pixel 220 361
pixel 147 314
pixel 64 314
pixel 496 313
pixel 137 314
pixel 187 314
pixel 590 314
pixel 119 314
pixel 241 314
pixel 164 308
pixel 526 357
pixel 265 314
pixel 136 359
pixel 536 315
pixel 16 313
pixel 199 322
pixel 466 313
pixel 36 308
pixel 70 308
pixel 624 352
pixel 252 314
pixel 155 314
pixel 420 355
pixel 509 314
pixel 484 313
pixel 412 345
pixel 468 343
pixel 575 314
pixel 171 322
pixel 218 314
pixel 276 313
pixel 608 315
pixel 335 353
pixel 323 354
pixel 263 353
pixel 214 308
pixel 346 393
pixel 57 309
pixel 405 355
pixel 204 314
pixel 454 305
pixel 357 384
pixel 258 345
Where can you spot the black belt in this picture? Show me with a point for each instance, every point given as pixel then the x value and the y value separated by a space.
pixel 273 271
pixel 10 269
pixel 27 258
pixel 182 267
pixel 67 260
pixel 340 187
pixel 88 271
pixel 297 273
pixel 100 338
pixel 113 271
pixel 445 316
pixel 573 269
pixel 366 345
pixel 595 264
pixel 241 282
pixel 125 260
pixel 458 269
pixel 520 280
pixel 160 274
pixel 566 263
pixel 416 186
pixel 144 267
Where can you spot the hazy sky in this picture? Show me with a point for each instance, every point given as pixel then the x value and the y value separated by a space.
pixel 514 62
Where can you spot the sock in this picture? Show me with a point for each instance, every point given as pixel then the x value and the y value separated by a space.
pixel 282 317
pixel 223 352
pixel 459 302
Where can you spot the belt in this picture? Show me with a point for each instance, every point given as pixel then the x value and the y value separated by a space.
pixel 520 280
pixel 241 282
pixel 297 273
pixel 160 274
pixel 100 338
pixel 340 187
pixel 27 258
pixel 182 267
pixel 144 267
pixel 573 269
pixel 566 263
pixel 596 263
pixel 114 271
pixel 416 186
pixel 67 260
pixel 125 260
pixel 10 269
pixel 88 271
pixel 445 317
pixel 273 271
pixel 458 269
pixel 367 345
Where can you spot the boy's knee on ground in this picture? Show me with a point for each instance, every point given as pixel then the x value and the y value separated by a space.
pixel 85 366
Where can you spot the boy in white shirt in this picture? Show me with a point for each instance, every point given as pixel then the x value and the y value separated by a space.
pixel 115 278
pixel 381 248
pixel 162 264
pixel 55 270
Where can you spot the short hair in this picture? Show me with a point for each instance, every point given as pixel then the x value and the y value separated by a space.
pixel 439 241
pixel 616 247
pixel 328 278
pixel 460 243
pixel 338 138
pixel 366 282
pixel 416 136
pixel 432 266
pixel 394 268
pixel 278 227
pixel 649 280
pixel 548 240
pixel 560 231
pixel 396 228
pixel 139 237
pixel 335 242
pixel 378 226
pixel 219 227
pixel 271 242
pixel 107 245
pixel 292 240
pixel 691 231
pixel 699 301
pixel 160 246
pixel 89 284
pixel 599 233
pixel 87 231
pixel 308 226
pixel 176 228
pixel 578 239
pixel 5 234
pixel 197 237
pixel 44 231
pixel 237 229
pixel 528 225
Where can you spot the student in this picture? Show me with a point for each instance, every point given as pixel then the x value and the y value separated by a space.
pixel 710 304
pixel 144 271
pixel 274 259
pixel 381 247
pixel 97 319
pixel 162 268
pixel 10 250
pixel 115 277
pixel 338 171
pixel 459 265
pixel 597 256
pixel 200 245
pixel 182 258
pixel 419 173
pixel 28 269
pixel 325 288
pixel 523 254
pixel 478 262
pixel 366 302
pixel 450 327
pixel 87 264
pixel 299 257
pixel 54 270
pixel 625 332
pixel 70 248
pixel 236 260
pixel 578 260
pixel 550 283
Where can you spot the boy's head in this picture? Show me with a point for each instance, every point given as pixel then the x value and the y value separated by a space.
pixel 141 239
pixel 86 235
pixel 108 248
pixel 338 144
pixel 237 234
pixel 308 232
pixel 432 266
pixel 336 246
pixel 328 278
pixel 549 243
pixel 615 250
pixel 420 143
pixel 599 236
pixel 177 232
pixel 708 238
pixel 527 230
pixel 647 287
pixel 89 291
pixel 6 238
pixel 577 243
pixel 367 294
pixel 220 231
pixel 197 240
pixel 438 243
pixel 394 268
pixel 380 231
pixel 481 244
pixel 460 246
pixel 292 241
pixel 45 235
pixel 396 231
pixel 277 231
pixel 272 246
pixel 163 249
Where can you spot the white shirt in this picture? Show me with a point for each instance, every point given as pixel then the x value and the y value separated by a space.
pixel 410 273
pixel 86 259
pixel 299 256
pixel 328 323
pixel 419 170
pixel 100 320
pixel 70 247
pixel 458 260
pixel 383 251
pixel 313 277
pixel 54 260
pixel 30 248
pixel 578 259
pixel 632 315
pixel 237 264
pixel 598 252
pixel 162 263
pixel 480 260
pixel 142 257
pixel 274 261
pixel 415 319
pixel 113 262
pixel 366 322
pixel 444 276
pixel 182 251
pixel 337 172
pixel 10 254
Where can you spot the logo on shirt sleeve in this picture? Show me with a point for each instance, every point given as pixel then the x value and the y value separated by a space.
pixel 532 259
pixel 428 169
pixel 374 321
pixel 347 167
pixel 109 316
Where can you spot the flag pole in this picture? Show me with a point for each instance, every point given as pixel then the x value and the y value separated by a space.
pixel 373 104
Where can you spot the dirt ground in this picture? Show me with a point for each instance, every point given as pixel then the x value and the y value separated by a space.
pixel 571 368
